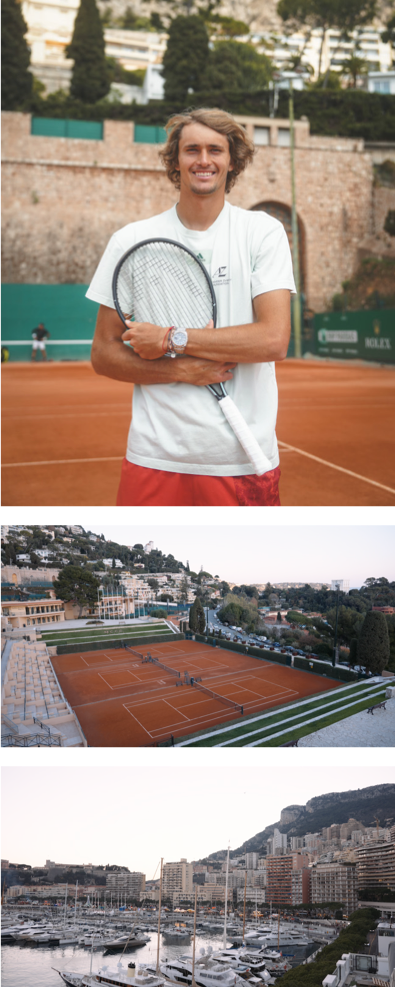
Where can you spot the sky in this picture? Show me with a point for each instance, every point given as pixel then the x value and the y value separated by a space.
pixel 258 553
pixel 134 815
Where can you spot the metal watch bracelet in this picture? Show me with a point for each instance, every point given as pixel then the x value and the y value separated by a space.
pixel 172 347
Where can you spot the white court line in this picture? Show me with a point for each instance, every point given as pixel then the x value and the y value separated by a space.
pixel 94 668
pixel 175 710
pixel 60 462
pixel 183 654
pixel 95 654
pixel 80 656
pixel 243 701
pixel 333 466
pixel 121 685
pixel 259 679
pixel 195 706
pixel 204 717
pixel 158 730
pixel 263 663
pixel 137 721
pixel 265 699
pixel 215 668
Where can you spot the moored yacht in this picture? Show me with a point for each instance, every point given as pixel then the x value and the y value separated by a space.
pixel 176 933
pixel 28 931
pixel 131 941
pixel 272 959
pixel 207 973
pixel 70 978
pixel 96 940
pixel 265 937
pixel 118 977
pixel 256 970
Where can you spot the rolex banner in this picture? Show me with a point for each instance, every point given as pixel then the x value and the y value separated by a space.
pixel 367 335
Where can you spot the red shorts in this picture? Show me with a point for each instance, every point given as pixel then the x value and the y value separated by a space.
pixel 141 487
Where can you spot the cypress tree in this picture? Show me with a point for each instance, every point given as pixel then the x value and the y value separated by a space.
pixel 90 78
pixel 192 617
pixel 16 80
pixel 374 642
pixel 200 618
pixel 185 58
pixel 197 620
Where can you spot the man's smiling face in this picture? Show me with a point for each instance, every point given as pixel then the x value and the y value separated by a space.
pixel 203 159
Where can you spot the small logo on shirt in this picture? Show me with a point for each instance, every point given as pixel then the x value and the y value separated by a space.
pixel 220 277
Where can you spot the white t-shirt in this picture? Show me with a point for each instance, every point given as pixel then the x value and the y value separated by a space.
pixel 180 427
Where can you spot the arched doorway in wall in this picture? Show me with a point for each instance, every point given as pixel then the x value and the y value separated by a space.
pixel 283 213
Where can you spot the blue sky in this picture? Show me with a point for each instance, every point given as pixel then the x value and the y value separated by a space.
pixel 137 813
pixel 251 552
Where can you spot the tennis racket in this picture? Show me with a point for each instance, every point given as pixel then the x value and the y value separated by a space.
pixel 162 282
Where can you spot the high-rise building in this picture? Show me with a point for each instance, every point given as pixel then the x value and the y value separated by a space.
pixel 251 860
pixel 280 886
pixel 376 864
pixel 131 883
pixel 178 876
pixel 335 882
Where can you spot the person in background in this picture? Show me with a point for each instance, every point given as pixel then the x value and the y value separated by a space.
pixel 40 334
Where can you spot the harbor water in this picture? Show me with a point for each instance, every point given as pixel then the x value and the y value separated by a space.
pixel 31 966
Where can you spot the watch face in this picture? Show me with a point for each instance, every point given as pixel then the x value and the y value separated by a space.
pixel 180 337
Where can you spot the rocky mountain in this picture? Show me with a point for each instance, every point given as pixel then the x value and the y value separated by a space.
pixel 365 804
pixel 260 16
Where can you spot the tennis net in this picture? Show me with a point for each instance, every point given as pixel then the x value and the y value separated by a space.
pixel 215 695
pixel 167 668
pixel 137 654
pixel 155 661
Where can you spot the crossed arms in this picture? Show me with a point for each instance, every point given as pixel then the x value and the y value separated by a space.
pixel 210 356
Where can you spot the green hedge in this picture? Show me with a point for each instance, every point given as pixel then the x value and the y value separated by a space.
pixel 347 113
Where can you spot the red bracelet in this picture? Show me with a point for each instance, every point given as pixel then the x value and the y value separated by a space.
pixel 164 347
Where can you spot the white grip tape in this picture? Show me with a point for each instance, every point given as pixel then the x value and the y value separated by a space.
pixel 256 457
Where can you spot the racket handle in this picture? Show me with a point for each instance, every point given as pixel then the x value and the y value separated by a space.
pixel 257 458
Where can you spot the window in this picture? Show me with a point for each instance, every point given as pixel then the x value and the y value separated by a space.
pixel 381 86
pixel 261 135
pixel 284 137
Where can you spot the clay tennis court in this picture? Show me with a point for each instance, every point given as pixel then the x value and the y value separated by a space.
pixel 121 701
pixel 65 430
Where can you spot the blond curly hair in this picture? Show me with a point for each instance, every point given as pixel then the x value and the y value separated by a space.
pixel 241 148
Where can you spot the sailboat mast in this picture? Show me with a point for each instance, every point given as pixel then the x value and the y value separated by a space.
pixel 244 909
pixel 226 896
pixel 160 906
pixel 194 940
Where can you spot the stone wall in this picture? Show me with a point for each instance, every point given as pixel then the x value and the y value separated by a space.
pixel 63 198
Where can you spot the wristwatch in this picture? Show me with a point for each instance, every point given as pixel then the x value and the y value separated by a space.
pixel 176 341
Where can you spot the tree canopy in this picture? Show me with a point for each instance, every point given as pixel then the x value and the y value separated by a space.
pixel 16 80
pixel 374 643
pixel 90 76
pixel 185 58
pixel 191 65
pixel 77 584
pixel 345 15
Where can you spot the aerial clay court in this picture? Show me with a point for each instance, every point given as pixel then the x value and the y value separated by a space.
pixel 121 700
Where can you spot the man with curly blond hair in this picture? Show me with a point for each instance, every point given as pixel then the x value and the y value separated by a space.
pixel 180 450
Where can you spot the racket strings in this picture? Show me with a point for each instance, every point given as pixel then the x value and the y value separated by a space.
pixel 159 283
